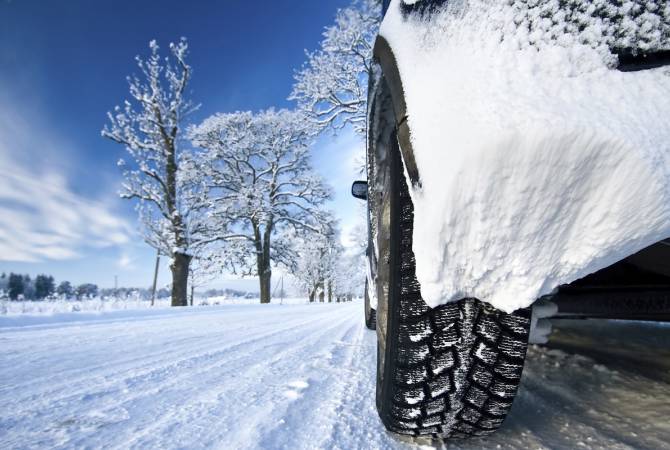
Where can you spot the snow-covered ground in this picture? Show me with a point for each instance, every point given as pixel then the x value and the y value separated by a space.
pixel 298 376
pixel 98 305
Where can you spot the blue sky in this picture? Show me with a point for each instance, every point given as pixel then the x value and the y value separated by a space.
pixel 63 66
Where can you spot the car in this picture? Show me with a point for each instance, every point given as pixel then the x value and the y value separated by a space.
pixel 516 151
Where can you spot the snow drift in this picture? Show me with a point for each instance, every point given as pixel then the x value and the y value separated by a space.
pixel 539 162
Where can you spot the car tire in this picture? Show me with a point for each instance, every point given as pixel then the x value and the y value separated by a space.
pixel 446 372
pixel 370 313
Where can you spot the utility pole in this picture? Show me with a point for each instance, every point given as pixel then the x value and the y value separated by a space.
pixel 281 292
pixel 153 289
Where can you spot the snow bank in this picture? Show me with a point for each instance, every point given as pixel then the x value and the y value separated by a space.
pixel 539 163
pixel 47 307
pixel 98 305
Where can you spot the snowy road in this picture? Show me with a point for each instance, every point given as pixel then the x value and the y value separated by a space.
pixel 296 377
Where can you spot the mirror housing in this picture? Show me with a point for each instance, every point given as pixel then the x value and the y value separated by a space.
pixel 359 189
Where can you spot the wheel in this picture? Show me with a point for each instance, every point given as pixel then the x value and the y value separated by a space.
pixel 451 371
pixel 370 313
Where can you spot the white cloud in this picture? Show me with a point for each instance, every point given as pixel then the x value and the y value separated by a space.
pixel 41 218
pixel 126 262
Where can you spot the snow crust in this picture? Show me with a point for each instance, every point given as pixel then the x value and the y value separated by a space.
pixel 539 162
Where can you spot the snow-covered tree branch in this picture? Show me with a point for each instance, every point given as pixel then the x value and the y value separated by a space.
pixel 331 88
pixel 317 262
pixel 261 188
pixel 325 267
pixel 160 176
pixel 205 266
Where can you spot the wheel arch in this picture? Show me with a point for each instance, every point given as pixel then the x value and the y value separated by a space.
pixel 384 56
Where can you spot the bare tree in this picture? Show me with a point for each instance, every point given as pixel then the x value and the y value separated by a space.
pixel 149 125
pixel 261 187
pixel 332 86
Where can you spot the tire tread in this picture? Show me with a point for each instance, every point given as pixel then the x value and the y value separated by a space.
pixel 455 368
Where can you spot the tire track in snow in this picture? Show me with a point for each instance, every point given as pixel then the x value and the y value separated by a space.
pixel 50 404
pixel 330 377
pixel 165 359
pixel 286 385
pixel 358 425
pixel 116 332
pixel 327 372
pixel 250 377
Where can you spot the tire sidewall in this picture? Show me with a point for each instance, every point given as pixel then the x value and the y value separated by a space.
pixel 387 304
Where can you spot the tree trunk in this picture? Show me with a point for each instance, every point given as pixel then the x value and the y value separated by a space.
pixel 265 279
pixel 192 292
pixel 180 261
pixel 263 258
pixel 264 274
pixel 265 270
pixel 312 293
pixel 330 291
pixel 320 289
pixel 179 268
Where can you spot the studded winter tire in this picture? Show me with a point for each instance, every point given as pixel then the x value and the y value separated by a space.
pixel 445 372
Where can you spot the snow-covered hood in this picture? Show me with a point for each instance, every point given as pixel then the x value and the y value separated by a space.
pixel 539 163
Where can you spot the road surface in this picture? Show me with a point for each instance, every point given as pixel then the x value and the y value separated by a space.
pixel 299 377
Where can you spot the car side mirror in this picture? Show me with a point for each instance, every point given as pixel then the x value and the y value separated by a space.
pixel 359 189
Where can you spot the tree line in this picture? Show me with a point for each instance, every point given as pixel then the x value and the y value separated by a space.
pixel 44 287
pixel 238 192
pixel 22 287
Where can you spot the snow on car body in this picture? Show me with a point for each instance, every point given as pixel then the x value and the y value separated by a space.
pixel 538 162
pixel 515 149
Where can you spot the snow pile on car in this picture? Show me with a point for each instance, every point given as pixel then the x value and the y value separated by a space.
pixel 539 162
